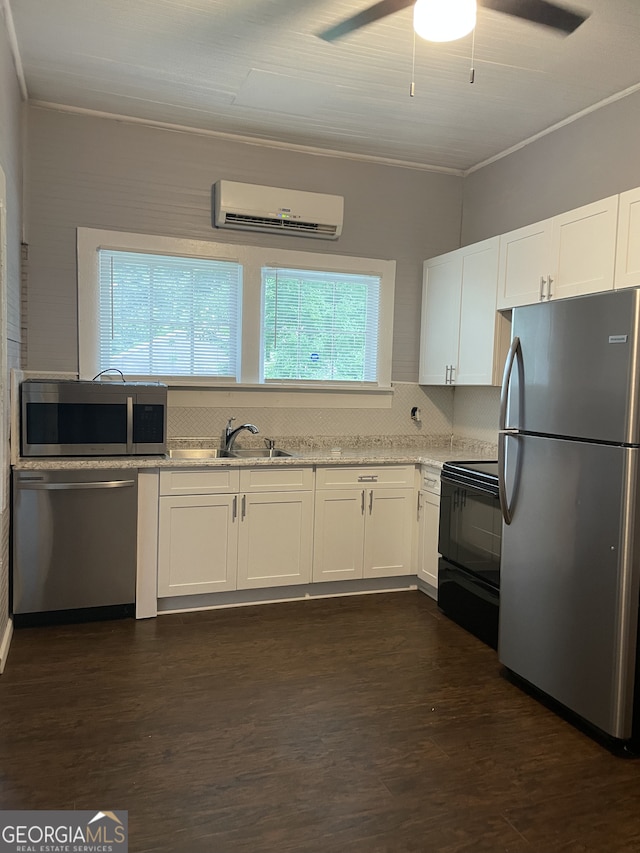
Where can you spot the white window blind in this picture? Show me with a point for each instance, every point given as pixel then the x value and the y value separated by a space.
pixel 162 315
pixel 320 325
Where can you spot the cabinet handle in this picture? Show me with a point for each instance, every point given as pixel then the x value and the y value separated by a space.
pixel 419 503
pixel 244 505
pixel 543 281
pixel 368 478
pixel 363 501
pixel 446 375
pixel 234 512
pixel 452 378
pixel 549 294
pixel 370 501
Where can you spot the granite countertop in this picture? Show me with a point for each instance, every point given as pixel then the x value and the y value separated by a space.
pixel 434 455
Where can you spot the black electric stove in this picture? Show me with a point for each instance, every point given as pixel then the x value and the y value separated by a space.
pixel 469 543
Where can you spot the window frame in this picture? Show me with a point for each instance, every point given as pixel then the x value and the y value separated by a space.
pixel 252 260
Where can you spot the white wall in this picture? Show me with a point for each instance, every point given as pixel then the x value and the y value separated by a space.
pixel 96 172
pixel 593 157
pixel 11 162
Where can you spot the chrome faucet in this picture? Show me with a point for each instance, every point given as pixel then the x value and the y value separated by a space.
pixel 230 434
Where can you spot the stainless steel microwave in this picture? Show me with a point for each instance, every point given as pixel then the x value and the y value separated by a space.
pixel 79 418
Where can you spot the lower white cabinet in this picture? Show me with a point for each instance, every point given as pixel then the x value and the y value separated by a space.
pixel 275 539
pixel 240 536
pixel 197 544
pixel 389 532
pixel 338 552
pixel 223 529
pixel 364 523
pixel 429 523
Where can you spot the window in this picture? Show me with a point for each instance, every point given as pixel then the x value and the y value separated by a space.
pixel 320 326
pixel 196 313
pixel 168 316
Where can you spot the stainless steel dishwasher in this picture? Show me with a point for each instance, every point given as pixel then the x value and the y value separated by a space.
pixel 73 544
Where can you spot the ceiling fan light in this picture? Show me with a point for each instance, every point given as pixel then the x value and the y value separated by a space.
pixel 444 20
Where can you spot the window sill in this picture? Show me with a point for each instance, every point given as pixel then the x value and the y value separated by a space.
pixel 189 394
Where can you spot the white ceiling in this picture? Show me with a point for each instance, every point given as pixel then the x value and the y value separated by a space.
pixel 257 69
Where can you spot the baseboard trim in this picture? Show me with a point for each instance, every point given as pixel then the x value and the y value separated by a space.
pixel 4 646
pixel 282 594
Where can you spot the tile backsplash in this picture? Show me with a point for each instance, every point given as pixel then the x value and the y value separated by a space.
pixel 322 427
pixel 475 413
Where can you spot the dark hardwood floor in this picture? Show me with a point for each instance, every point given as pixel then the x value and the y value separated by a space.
pixel 367 724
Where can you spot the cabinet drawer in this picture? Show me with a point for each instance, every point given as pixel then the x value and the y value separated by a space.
pixel 199 481
pixel 279 478
pixel 430 479
pixel 382 476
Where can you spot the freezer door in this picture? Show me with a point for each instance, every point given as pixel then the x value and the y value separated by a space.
pixel 577 371
pixel 570 575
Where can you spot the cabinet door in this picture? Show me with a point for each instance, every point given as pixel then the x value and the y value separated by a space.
pixel 428 542
pixel 275 539
pixel 627 272
pixel 390 525
pixel 440 318
pixel 584 248
pixel 197 544
pixel 338 545
pixel 478 317
pixel 525 261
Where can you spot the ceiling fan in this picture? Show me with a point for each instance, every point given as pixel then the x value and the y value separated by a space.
pixel 541 12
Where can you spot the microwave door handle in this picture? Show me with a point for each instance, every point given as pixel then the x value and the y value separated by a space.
pixel 129 424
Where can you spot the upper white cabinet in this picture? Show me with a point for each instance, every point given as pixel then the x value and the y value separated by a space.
pixel 462 340
pixel 525 257
pixel 628 248
pixel 569 255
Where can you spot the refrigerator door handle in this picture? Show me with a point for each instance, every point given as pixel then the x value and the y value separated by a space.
pixel 505 508
pixel 514 351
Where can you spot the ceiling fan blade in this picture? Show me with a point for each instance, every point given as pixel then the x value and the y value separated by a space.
pixel 368 16
pixel 539 12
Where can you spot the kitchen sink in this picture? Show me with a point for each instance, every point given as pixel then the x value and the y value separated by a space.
pixel 194 453
pixel 258 453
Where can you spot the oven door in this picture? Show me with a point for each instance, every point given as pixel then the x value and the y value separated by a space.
pixel 470 529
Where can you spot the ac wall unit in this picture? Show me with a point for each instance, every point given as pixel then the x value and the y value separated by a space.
pixel 274 209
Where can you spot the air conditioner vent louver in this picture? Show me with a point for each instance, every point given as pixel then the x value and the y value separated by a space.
pixel 255 208
pixel 260 222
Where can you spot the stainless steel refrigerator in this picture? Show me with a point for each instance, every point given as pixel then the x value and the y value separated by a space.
pixel 569 454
